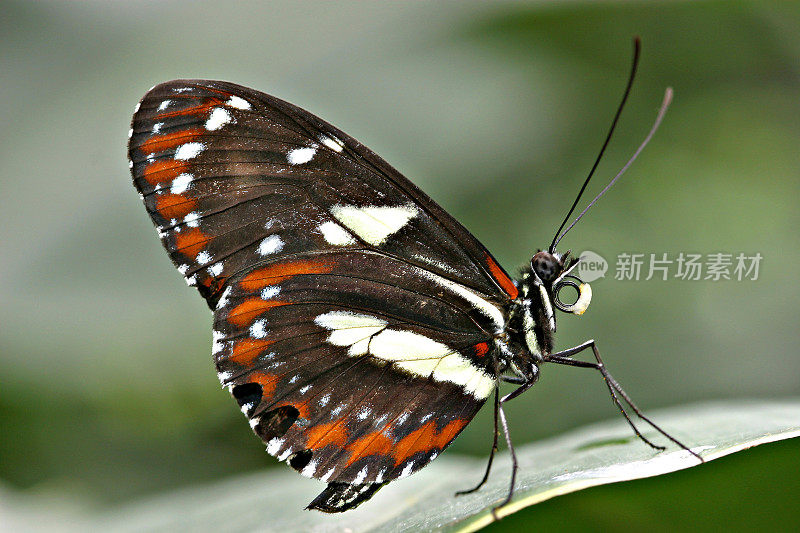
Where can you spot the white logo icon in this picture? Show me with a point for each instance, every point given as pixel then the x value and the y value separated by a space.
pixel 592 266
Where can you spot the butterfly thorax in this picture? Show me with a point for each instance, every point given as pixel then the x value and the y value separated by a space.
pixel 532 320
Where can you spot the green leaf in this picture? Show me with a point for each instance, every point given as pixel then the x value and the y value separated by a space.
pixel 595 455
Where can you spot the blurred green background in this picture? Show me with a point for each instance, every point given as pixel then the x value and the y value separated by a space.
pixel 496 109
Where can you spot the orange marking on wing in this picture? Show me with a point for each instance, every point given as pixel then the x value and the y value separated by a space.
pixel 481 349
pixel 191 242
pixel 245 351
pixel 159 143
pixel 267 381
pixel 174 205
pixel 199 109
pixel 242 315
pixel 426 438
pixel 502 279
pixel 375 443
pixel 332 433
pixel 163 171
pixel 278 272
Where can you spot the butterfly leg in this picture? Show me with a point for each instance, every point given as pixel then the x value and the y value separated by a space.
pixel 514 463
pixel 494 447
pixel 530 379
pixel 525 383
pixel 564 357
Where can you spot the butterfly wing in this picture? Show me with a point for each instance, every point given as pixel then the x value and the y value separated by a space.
pixel 349 367
pixel 353 315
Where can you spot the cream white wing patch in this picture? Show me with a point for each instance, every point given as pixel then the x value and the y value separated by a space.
pixel 238 103
pixel 334 234
pixel 374 224
pixel 406 350
pixel 298 156
pixel 188 151
pixel 218 118
pixel 350 329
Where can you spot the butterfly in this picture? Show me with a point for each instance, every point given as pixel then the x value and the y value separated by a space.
pixel 358 325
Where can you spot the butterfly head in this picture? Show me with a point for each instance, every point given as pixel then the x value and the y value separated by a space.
pixel 554 272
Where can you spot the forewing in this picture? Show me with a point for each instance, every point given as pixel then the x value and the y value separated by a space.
pixel 221 167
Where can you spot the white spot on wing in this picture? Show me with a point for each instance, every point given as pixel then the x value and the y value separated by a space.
pixel 223 300
pixel 188 151
pixel 215 269
pixel 379 477
pixel 218 118
pixel 238 103
pixel 203 258
pixel 285 454
pixel 217 344
pixel 327 475
pixel 331 142
pixel 181 183
pixel 310 469
pixel 165 104
pixel 298 156
pixel 157 127
pixel 259 329
pixel 361 476
pixel 130 133
pixel 374 224
pixel 192 219
pixel 364 412
pixel 274 445
pixel 407 470
pixel 270 245
pixel 324 400
pixel 270 291
pixel 335 234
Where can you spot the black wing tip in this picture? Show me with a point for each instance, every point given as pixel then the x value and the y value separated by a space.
pixel 339 497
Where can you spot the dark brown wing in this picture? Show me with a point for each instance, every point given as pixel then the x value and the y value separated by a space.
pixel 354 318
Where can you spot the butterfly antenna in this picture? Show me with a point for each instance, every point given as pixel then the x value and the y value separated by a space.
pixel 637 45
pixel 661 112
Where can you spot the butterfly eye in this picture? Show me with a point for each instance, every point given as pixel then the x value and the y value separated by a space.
pixel 546 266
pixel 582 295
